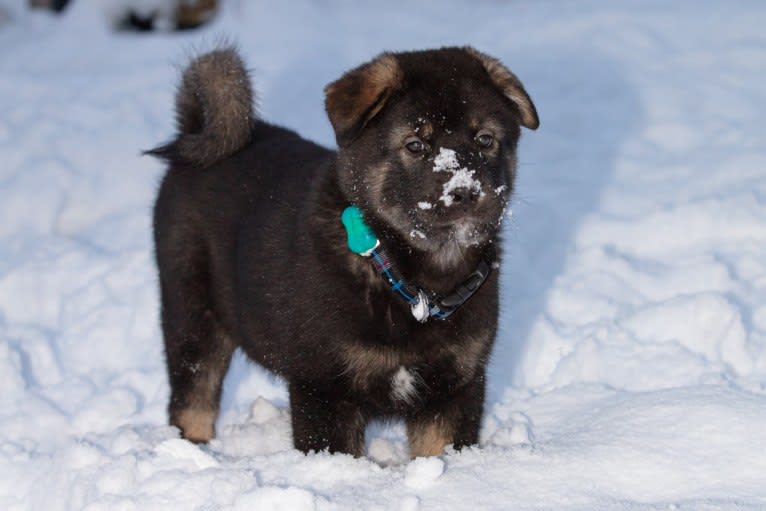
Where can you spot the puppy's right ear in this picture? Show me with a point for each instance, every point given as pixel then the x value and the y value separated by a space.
pixel 357 96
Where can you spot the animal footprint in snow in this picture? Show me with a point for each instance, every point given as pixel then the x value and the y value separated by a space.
pixel 517 430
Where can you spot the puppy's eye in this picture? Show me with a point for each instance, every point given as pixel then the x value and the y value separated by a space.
pixel 484 139
pixel 415 146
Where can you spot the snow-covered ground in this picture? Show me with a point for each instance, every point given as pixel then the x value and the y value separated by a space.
pixel 630 371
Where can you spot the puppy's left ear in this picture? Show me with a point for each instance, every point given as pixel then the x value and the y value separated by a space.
pixel 357 96
pixel 510 86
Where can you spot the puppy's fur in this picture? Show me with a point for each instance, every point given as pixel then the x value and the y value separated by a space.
pixel 252 253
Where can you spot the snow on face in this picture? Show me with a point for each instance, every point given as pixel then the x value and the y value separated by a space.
pixel 462 177
pixel 446 161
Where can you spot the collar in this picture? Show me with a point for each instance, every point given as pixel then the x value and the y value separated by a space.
pixel 424 304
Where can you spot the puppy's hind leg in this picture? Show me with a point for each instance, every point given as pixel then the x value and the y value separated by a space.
pixel 197 350
pixel 215 117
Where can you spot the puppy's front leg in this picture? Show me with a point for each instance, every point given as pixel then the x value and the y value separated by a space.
pixel 456 421
pixel 323 419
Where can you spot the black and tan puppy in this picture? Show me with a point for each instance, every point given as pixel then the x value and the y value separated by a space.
pixel 252 252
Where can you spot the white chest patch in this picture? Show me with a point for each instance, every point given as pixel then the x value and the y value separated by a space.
pixel 403 386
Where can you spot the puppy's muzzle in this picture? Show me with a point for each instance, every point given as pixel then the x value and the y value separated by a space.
pixel 464 196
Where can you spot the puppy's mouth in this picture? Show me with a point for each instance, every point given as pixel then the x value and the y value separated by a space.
pixel 463 232
pixel 467 232
pixel 431 226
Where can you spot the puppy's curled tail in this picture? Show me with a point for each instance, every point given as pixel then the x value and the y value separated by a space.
pixel 214 110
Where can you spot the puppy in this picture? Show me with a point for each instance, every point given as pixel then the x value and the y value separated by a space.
pixel 361 276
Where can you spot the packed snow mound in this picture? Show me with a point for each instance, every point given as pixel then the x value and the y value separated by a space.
pixel 630 366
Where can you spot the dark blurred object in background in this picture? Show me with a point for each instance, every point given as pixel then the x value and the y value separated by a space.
pixel 56 5
pixel 191 14
pixel 163 15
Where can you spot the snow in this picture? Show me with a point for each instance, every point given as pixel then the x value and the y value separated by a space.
pixel 423 472
pixel 446 160
pixel 462 177
pixel 630 366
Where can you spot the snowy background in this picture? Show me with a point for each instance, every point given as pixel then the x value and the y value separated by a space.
pixel 630 370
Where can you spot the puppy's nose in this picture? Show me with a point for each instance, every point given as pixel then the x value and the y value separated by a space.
pixel 463 195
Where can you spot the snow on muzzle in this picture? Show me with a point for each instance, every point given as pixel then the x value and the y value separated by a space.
pixel 462 187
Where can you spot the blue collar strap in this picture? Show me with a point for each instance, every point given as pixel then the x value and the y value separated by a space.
pixel 424 305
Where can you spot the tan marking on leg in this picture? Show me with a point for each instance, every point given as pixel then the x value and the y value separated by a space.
pixel 197 419
pixel 429 438
pixel 196 425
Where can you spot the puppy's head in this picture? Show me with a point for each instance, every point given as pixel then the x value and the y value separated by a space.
pixel 427 144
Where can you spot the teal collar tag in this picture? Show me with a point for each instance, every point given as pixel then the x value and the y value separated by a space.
pixel 361 239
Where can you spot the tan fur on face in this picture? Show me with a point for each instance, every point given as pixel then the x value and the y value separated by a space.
pixel 497 129
pixel 196 425
pixel 429 438
pixel 357 96
pixel 425 130
pixel 510 86
pixel 375 180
